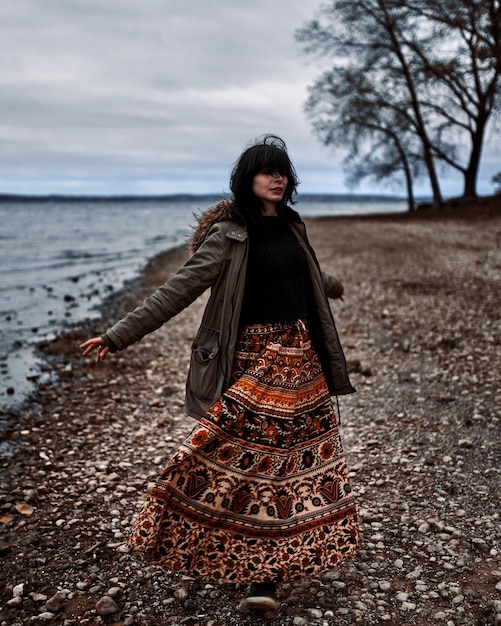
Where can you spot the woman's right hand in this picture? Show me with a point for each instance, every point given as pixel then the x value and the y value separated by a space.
pixel 95 343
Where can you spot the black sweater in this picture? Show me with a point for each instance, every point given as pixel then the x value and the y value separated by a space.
pixel 277 275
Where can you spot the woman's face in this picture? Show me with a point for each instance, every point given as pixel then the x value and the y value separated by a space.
pixel 269 187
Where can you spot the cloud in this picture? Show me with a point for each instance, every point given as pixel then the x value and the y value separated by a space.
pixel 154 96
pixel 128 86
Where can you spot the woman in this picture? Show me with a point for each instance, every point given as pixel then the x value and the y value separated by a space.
pixel 259 492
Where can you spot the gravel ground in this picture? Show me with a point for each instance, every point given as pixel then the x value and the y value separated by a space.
pixel 420 327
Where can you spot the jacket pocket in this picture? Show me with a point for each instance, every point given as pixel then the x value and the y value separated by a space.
pixel 204 364
pixel 206 344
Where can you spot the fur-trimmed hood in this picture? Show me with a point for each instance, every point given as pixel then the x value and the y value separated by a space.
pixel 219 212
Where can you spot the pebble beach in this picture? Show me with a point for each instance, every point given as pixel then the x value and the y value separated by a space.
pixel 420 329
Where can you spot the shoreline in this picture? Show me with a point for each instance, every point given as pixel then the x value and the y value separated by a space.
pixel 421 438
pixel 118 303
pixel 29 369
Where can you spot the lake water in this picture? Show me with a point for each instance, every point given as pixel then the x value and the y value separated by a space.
pixel 60 259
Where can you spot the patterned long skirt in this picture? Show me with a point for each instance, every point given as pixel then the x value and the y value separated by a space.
pixel 259 490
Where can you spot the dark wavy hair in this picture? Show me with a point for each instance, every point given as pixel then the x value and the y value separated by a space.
pixel 268 153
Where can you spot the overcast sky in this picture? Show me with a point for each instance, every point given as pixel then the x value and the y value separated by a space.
pixel 158 96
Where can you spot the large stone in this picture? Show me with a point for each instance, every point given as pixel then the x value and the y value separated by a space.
pixel 106 606
pixel 46 616
pixel 181 594
pixel 55 603
pixel 18 590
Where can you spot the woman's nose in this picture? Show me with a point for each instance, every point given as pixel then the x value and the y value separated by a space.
pixel 277 175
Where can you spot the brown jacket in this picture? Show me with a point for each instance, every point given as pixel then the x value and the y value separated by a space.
pixel 219 248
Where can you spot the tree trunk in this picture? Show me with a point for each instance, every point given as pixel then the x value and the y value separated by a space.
pixel 471 173
pixel 435 186
pixel 416 107
pixel 411 202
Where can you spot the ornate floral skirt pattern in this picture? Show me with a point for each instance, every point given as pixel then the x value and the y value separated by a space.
pixel 259 490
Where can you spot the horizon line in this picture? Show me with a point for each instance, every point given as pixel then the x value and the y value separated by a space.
pixel 5 197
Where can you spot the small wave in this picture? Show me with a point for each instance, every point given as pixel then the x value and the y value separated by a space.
pixel 77 254
pixel 157 239
pixel 171 238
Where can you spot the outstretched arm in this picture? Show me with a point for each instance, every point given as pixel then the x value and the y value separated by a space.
pixel 198 273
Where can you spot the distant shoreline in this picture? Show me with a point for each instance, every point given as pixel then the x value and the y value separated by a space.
pixel 310 197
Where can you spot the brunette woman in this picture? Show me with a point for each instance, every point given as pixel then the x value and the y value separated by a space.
pixel 258 493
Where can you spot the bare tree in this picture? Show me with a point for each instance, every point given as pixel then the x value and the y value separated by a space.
pixel 426 70
pixel 380 145
pixel 463 70
pixel 347 110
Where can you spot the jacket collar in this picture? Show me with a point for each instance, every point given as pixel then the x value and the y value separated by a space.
pixel 220 212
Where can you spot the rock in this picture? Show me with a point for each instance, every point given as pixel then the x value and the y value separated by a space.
pixel 5 548
pixel 481 544
pixel 115 592
pixel 335 574
pixel 414 575
pixel 38 597
pixel 435 524
pixel 46 616
pixel 14 601
pixel 18 590
pixel 181 594
pixel 55 603
pixel 299 621
pixel 354 365
pixel 384 585
pixel 106 606
pixel 338 585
